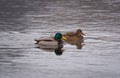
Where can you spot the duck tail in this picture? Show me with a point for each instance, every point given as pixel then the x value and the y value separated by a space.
pixel 37 41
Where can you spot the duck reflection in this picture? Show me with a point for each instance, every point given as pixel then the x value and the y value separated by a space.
pixel 58 50
pixel 79 45
pixel 74 38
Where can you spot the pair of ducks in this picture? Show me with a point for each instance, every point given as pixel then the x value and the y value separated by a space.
pixel 74 38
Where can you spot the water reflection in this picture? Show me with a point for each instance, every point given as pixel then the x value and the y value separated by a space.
pixel 79 45
pixel 58 51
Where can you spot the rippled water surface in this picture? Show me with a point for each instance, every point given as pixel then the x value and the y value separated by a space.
pixel 21 21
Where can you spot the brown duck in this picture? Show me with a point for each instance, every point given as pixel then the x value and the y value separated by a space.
pixel 74 38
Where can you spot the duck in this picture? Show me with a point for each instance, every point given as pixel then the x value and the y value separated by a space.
pixel 49 42
pixel 74 38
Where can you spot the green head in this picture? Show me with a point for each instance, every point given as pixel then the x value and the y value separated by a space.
pixel 58 36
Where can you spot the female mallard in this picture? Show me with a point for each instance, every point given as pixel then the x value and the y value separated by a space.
pixel 74 38
pixel 50 42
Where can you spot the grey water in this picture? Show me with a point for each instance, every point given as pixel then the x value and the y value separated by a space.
pixel 21 21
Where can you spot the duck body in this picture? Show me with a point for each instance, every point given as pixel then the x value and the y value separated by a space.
pixel 74 38
pixel 46 43
pixel 49 42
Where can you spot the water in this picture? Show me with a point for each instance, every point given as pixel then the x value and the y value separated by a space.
pixel 22 21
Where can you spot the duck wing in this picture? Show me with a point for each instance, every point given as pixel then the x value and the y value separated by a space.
pixel 44 39
pixel 70 33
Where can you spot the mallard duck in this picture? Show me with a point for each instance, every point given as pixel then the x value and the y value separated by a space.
pixel 74 38
pixel 50 42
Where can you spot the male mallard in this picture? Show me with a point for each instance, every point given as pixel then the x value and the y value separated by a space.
pixel 74 38
pixel 50 42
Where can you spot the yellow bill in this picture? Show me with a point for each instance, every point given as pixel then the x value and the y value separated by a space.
pixel 64 38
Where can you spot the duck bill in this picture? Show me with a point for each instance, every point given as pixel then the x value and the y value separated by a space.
pixel 64 38
pixel 82 33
